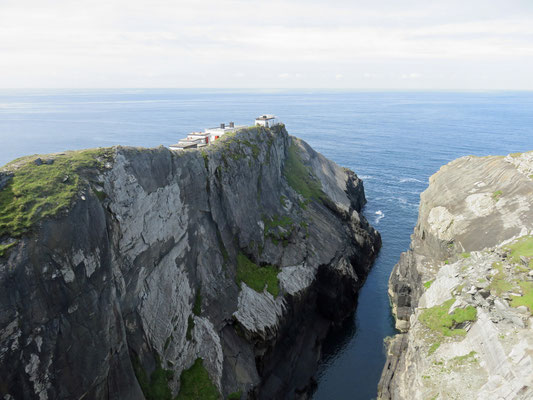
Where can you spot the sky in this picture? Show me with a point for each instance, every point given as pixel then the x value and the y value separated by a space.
pixel 334 44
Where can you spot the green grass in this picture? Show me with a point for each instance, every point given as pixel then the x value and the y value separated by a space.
pixel 235 395
pixel 5 247
pixel 40 191
pixel 427 285
pixel 465 255
pixel 156 386
pixel 273 222
pixel 469 358
pixel 195 384
pixel 437 318
pixel 271 231
pixel 433 348
pixel 233 145
pixel 496 195
pixel 526 299
pixel 521 247
pixel 300 177
pixel 499 282
pixel 206 159
pixel 197 307
pixel 257 277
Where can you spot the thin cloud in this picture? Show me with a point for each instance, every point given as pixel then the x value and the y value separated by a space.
pixel 188 43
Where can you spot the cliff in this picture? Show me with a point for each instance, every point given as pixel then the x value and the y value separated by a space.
pixel 462 294
pixel 132 273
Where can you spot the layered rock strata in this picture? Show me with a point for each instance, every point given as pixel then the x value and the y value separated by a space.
pixel 462 294
pixel 215 271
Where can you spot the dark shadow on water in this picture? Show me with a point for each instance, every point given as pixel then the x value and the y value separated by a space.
pixel 337 340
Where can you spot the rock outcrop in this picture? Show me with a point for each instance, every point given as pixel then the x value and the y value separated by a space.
pixel 132 273
pixel 462 294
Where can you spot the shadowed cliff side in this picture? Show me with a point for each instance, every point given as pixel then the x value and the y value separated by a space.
pixel 145 273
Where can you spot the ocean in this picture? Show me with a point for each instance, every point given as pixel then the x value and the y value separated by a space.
pixel 394 141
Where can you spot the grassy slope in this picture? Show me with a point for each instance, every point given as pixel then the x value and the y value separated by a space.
pixel 196 384
pixel 257 277
pixel 39 191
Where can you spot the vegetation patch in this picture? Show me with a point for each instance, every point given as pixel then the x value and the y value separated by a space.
pixel 526 299
pixel 465 255
pixel 235 395
pixel 5 247
pixel 467 358
pixel 427 285
pixel 300 177
pixel 42 189
pixel 437 318
pixel 234 145
pixel 522 247
pixel 156 386
pixel 496 195
pixel 206 159
pixel 257 277
pixel 273 231
pixel 197 307
pixel 499 283
pixel 433 348
pixel 195 384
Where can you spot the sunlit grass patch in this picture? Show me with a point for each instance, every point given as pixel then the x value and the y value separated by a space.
pixel 526 299
pixel 437 318
pixel 39 191
pixel 257 277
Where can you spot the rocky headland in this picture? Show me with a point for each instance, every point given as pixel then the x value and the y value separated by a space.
pixel 131 273
pixel 462 294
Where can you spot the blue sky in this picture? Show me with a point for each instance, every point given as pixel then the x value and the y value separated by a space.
pixel 379 44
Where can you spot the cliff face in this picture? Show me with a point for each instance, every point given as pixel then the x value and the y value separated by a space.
pixel 128 273
pixel 463 293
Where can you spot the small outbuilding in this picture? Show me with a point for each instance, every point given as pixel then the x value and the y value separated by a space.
pixel 267 120
pixel 183 146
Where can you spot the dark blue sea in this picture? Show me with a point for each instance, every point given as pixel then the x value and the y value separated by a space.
pixel 393 140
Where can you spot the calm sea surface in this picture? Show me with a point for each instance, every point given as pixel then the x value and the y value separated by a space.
pixel 393 140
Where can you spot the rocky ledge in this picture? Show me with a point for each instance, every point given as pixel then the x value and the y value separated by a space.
pixel 131 273
pixel 462 294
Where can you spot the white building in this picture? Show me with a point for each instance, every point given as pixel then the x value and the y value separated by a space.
pixel 267 120
pixel 206 138
pixel 183 145
pixel 201 137
pixel 215 133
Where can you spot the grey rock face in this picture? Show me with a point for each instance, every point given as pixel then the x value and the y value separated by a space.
pixel 141 274
pixel 472 214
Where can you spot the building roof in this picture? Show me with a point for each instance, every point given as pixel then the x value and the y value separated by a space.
pixel 184 145
pixel 264 117
pixel 226 129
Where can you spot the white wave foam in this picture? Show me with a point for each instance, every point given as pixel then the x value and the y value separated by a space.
pixel 379 216
pixel 403 180
pixel 365 176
